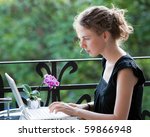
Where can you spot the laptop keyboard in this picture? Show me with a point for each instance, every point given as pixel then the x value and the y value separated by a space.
pixel 44 114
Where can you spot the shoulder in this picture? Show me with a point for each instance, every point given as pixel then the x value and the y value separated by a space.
pixel 127 65
pixel 125 61
pixel 127 76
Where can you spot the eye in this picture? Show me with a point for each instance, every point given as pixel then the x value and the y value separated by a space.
pixel 86 38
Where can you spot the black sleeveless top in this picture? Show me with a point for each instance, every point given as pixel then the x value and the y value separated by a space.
pixel 105 94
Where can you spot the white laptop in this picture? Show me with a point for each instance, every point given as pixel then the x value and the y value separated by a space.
pixel 41 113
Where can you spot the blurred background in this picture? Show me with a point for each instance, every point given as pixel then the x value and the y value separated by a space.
pixel 42 30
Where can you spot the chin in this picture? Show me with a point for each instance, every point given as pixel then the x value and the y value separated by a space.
pixel 93 55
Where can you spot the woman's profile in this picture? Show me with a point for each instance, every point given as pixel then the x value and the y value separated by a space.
pixel 118 96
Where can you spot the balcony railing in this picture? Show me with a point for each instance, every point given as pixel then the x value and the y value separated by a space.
pixel 52 67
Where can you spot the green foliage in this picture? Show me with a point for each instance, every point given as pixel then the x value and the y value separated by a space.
pixel 138 16
pixel 42 29
pixel 28 27
pixel 33 95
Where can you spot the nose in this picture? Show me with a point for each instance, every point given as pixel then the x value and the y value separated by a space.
pixel 82 44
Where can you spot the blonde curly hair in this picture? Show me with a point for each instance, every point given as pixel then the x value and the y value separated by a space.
pixel 101 18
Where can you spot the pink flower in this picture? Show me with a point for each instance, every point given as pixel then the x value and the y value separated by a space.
pixel 50 81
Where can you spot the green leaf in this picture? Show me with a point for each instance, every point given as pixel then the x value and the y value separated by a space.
pixel 27 89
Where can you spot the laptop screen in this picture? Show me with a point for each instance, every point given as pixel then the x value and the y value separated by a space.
pixel 15 91
pixel 42 113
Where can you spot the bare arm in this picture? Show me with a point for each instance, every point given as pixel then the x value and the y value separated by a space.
pixel 125 84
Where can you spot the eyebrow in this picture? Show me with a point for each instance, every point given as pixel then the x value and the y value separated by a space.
pixel 85 36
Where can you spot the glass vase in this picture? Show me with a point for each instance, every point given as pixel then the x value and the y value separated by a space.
pixel 33 104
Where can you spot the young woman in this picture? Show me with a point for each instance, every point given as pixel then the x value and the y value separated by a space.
pixel 119 94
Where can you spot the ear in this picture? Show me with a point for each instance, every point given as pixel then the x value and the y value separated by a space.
pixel 106 35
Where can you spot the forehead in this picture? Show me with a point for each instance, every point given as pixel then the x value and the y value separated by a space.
pixel 82 31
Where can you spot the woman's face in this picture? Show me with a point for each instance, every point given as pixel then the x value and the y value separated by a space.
pixel 90 41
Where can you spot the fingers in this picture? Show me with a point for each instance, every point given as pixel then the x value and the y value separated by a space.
pixel 53 106
pixel 69 109
pixel 57 106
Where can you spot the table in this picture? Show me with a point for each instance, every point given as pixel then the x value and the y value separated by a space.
pixel 14 114
pixel 6 114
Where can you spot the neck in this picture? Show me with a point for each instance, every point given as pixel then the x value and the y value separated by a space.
pixel 112 53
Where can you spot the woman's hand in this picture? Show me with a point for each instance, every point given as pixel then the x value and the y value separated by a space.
pixel 68 108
